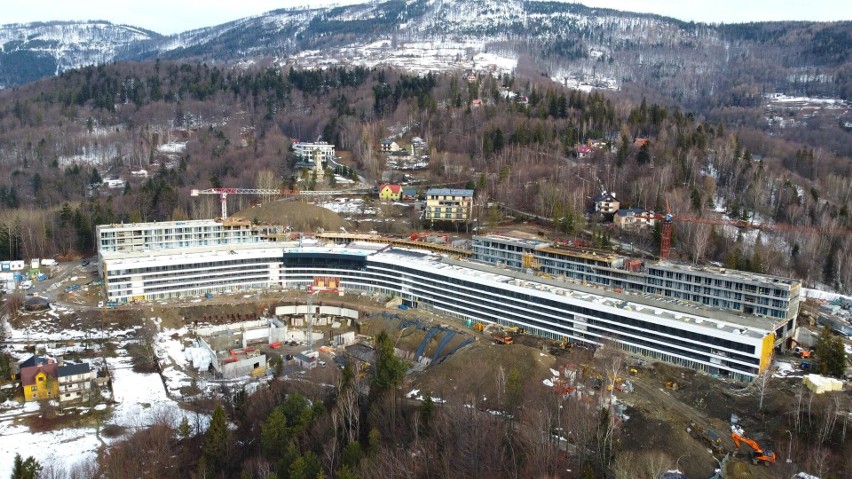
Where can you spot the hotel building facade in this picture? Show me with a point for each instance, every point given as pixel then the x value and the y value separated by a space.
pixel 717 340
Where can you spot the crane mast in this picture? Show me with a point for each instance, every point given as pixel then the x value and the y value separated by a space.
pixel 224 192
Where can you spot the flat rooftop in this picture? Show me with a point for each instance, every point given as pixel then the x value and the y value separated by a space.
pixel 666 308
pixel 724 272
pixel 181 255
pixel 525 239
pixel 648 304
pixel 158 224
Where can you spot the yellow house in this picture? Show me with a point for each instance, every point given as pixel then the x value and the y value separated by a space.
pixel 390 192
pixel 39 382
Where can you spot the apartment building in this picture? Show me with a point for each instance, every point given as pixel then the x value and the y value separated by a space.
pixel 190 271
pixel 74 381
pixel 447 204
pixel 165 235
pixel 731 290
pixel 749 293
pixel 308 151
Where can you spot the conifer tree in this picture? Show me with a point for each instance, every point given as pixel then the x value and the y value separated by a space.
pixel 273 434
pixel 27 468
pixel 217 442
pixel 830 354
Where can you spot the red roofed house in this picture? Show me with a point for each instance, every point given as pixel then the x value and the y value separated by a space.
pixel 38 377
pixel 584 151
pixel 390 192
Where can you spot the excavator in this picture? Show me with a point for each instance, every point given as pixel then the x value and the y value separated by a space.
pixel 759 455
pixel 801 351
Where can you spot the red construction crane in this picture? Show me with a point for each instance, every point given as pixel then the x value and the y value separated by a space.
pixel 224 192
pixel 666 236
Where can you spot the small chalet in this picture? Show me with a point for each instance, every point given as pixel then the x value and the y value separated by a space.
pixel 584 151
pixel 306 361
pixel 389 146
pixel 38 378
pixel 640 142
pixel 606 203
pixel 388 191
pixel 634 218
pixel 409 194
pixel 400 154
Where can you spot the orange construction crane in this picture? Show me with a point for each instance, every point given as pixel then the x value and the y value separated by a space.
pixel 759 454
pixel 224 192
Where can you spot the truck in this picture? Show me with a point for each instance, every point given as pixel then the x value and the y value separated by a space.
pixel 41 277
pixel 72 287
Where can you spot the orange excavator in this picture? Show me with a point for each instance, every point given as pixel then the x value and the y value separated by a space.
pixel 760 454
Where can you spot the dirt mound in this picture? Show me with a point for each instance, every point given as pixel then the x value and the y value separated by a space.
pixel 298 215
pixel 737 470
pixel 472 372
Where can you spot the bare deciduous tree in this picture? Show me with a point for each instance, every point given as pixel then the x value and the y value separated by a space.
pixel 762 382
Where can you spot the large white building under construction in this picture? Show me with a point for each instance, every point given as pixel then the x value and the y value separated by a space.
pixel 727 341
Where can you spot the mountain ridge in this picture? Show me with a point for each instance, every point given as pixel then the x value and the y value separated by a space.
pixel 563 39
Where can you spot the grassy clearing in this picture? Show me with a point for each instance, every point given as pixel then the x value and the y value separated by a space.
pixel 298 215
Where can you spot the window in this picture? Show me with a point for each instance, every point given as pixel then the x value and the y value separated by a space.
pixel 34 388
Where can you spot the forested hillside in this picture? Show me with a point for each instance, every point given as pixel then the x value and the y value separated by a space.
pixel 513 137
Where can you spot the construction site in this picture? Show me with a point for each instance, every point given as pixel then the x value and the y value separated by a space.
pixel 701 366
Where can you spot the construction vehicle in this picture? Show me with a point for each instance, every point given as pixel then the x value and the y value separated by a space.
pixel 514 330
pixel 803 353
pixel 759 454
pixel 708 435
pixel 800 351
pixel 671 385
pixel 500 337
